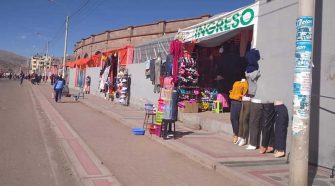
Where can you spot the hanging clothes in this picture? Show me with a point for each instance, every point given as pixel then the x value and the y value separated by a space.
pixel 176 50
pixel 104 78
pixel 152 71
pixel 158 63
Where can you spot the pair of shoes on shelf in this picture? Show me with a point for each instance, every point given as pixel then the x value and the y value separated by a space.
pixel 279 154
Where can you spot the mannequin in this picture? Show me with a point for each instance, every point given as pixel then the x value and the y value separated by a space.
pixel 254 123
pixel 281 124
pixel 267 128
pixel 243 132
pixel 239 90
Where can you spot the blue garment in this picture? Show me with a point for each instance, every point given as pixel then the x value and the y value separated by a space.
pixel 168 66
pixel 252 57
pixel 59 84
pixel 58 95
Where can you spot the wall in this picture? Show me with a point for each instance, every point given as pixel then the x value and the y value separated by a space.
pixel 72 77
pixel 276 42
pixel 322 141
pixel 141 88
pixel 94 73
pixel 132 35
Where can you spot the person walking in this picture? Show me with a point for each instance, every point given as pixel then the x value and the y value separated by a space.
pixel 58 88
pixel 21 78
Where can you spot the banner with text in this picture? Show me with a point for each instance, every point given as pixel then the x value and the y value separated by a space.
pixel 222 23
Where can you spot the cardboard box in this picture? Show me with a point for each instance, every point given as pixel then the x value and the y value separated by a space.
pixel 190 107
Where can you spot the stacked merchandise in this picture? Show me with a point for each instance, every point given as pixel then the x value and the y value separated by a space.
pixel 123 84
pixel 208 96
pixel 187 85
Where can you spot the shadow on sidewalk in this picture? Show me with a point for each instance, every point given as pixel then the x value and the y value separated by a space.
pixel 180 134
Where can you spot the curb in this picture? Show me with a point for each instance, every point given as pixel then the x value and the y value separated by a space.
pixel 89 179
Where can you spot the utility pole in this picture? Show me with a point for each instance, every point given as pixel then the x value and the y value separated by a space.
pixel 302 94
pixel 65 44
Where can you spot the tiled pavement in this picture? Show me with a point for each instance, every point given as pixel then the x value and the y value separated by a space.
pixel 211 149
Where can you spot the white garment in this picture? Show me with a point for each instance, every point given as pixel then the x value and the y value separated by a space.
pixel 104 78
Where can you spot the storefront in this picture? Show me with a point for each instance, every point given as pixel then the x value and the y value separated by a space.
pixel 105 72
pixel 143 85
pixel 214 58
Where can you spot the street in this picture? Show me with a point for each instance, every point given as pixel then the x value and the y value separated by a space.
pixel 133 160
pixel 30 153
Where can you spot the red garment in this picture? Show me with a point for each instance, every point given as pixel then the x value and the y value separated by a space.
pixel 176 50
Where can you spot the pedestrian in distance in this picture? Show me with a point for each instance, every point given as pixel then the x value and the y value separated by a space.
pixel 21 77
pixel 58 88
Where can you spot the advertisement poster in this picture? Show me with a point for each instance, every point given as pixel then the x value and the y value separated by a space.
pixel 301 106
pixel 304 28
pixel 303 55
pixel 303 82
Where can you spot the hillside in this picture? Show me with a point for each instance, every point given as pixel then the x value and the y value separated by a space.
pixel 10 61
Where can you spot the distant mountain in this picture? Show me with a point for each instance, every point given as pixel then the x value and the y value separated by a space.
pixel 10 61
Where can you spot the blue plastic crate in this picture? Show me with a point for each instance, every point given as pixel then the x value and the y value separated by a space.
pixel 138 131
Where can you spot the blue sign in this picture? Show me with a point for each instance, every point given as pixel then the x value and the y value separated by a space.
pixel 304 28
pixel 296 88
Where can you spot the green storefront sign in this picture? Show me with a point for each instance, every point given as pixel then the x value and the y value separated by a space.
pixel 238 19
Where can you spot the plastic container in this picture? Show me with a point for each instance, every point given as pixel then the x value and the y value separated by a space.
pixel 138 131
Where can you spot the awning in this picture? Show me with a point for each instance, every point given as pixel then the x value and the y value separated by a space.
pixel 95 60
pixel 221 24
pixel 82 61
pixel 126 55
pixel 70 64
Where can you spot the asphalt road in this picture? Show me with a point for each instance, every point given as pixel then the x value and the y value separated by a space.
pixel 29 151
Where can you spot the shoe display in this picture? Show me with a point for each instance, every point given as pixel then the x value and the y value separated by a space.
pixel 279 154
pixel 124 88
pixel 122 96
pixel 250 147
pixel 242 142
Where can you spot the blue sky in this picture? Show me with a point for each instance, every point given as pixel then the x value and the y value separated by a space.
pixel 28 25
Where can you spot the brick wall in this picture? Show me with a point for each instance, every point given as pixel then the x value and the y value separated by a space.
pixel 132 35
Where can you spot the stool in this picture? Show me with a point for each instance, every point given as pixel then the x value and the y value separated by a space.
pixel 217 106
pixel 148 114
pixel 167 123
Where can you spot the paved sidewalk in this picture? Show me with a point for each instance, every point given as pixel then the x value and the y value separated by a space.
pixel 212 149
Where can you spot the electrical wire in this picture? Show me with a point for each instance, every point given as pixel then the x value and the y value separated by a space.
pixel 87 13
pixel 79 9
